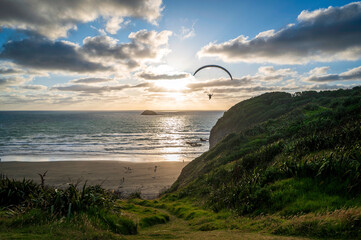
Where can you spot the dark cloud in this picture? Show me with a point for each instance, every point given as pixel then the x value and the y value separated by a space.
pixel 53 19
pixel 10 71
pixel 91 80
pixel 44 54
pixel 12 81
pixel 321 35
pixel 86 88
pixel 350 75
pixel 5 81
pixel 90 88
pixel 33 87
pixel 100 53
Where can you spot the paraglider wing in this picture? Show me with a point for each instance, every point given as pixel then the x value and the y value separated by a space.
pixel 208 66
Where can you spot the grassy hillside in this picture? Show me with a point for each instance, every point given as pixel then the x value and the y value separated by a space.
pixel 287 156
pixel 268 106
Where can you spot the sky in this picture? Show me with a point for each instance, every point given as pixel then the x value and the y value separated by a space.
pixel 141 54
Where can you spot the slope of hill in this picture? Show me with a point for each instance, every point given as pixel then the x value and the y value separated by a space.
pixel 282 154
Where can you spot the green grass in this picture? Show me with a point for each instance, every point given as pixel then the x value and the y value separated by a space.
pixel 300 196
pixel 145 216
pixel 36 224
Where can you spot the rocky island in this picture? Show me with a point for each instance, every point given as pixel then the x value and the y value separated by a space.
pixel 149 112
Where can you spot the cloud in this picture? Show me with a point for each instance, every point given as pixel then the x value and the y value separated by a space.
pixel 320 75
pixel 155 76
pixel 322 35
pixel 91 88
pixel 34 87
pixel 98 54
pixel 15 99
pixel 113 25
pixel 265 74
pixel 86 88
pixel 319 70
pixel 186 33
pixel 219 83
pixel 244 89
pixel 54 19
pixel 259 88
pixel 268 73
pixel 10 71
pixel 320 87
pixel 144 45
pixel 13 81
pixel 91 80
pixel 40 53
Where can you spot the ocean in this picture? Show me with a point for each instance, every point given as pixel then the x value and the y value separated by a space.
pixel 104 135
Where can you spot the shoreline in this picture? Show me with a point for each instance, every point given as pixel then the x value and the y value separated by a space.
pixel 149 178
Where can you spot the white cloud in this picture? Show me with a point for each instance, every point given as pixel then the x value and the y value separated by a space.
pixel 320 75
pixel 187 32
pixel 113 24
pixel 323 35
pixel 319 71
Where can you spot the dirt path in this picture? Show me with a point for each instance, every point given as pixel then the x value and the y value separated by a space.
pixel 178 228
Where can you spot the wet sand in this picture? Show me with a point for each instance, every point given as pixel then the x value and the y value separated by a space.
pixel 137 176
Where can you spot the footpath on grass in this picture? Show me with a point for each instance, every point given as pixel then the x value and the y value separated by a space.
pixel 178 228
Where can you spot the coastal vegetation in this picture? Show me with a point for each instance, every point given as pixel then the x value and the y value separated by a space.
pixel 280 164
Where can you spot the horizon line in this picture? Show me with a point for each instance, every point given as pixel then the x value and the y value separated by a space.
pixel 216 110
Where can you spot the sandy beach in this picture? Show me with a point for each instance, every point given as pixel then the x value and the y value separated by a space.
pixel 137 176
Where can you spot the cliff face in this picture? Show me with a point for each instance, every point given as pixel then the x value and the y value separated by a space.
pixel 248 113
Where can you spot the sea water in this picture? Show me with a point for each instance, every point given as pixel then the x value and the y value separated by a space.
pixel 100 135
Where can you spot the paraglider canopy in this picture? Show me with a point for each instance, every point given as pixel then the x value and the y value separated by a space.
pixel 216 66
